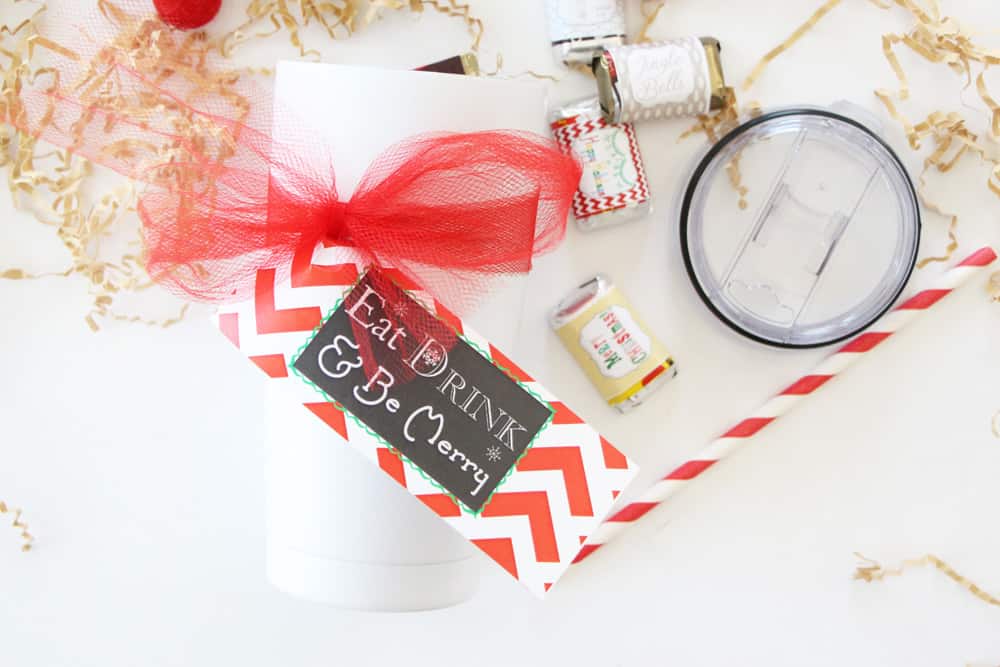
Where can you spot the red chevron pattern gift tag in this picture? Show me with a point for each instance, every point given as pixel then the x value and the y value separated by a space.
pixel 437 407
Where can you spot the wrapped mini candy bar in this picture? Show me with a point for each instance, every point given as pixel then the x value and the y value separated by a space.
pixel 612 345
pixel 681 77
pixel 613 188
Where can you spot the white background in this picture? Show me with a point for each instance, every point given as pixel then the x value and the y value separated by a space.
pixel 138 453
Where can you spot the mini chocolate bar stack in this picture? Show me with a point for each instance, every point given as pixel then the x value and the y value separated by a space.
pixel 652 80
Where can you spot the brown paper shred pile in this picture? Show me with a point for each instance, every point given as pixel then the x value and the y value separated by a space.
pixel 871 571
pixel 18 525
pixel 54 186
pixel 338 18
pixel 939 39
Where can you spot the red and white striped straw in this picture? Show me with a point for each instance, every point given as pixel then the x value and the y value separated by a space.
pixel 738 435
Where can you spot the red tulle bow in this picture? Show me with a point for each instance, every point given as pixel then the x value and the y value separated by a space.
pixel 449 210
pixel 225 199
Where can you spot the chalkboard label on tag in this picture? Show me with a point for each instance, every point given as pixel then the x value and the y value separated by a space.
pixel 425 391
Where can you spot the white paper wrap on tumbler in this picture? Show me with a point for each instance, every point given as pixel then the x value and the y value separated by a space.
pixel 339 530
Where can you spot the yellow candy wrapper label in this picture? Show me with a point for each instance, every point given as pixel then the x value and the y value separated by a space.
pixel 614 348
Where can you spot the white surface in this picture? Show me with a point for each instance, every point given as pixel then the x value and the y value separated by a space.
pixel 138 454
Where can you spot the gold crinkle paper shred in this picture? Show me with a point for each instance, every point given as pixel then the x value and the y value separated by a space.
pixel 939 39
pixel 338 18
pixel 100 230
pixel 799 33
pixel 871 571
pixel 53 184
pixel 19 525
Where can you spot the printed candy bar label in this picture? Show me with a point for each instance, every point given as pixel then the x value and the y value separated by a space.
pixel 427 393
pixel 663 80
pixel 615 342
pixel 613 175
pixel 662 75
pixel 608 166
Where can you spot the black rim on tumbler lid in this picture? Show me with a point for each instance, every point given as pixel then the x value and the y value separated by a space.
pixel 821 243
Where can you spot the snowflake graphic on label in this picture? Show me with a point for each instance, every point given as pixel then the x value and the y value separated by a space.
pixel 400 310
pixel 431 356
pixel 615 342
pixel 493 453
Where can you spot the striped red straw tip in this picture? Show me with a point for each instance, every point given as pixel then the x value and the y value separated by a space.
pixel 982 257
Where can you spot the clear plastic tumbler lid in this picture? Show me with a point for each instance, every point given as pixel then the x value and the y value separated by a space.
pixel 824 240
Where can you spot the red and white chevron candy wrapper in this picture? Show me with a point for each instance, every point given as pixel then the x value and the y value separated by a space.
pixel 614 178
pixel 536 522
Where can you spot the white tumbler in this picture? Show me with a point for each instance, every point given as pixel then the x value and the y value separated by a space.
pixel 342 532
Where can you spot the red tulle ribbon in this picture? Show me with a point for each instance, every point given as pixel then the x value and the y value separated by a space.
pixel 449 210
pixel 225 199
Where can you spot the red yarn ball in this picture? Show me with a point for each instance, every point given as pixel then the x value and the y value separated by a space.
pixel 187 14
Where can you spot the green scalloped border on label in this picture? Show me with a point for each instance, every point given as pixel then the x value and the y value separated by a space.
pixel 626 158
pixel 402 457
